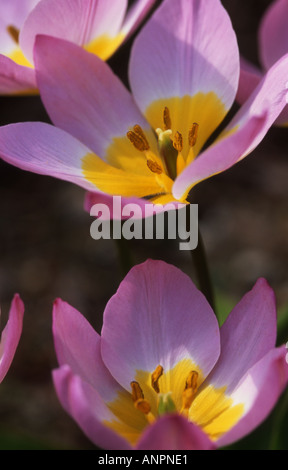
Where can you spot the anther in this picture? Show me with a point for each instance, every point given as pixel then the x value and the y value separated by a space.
pixel 193 134
pixel 178 142
pixel 137 393
pixel 190 391
pixel 154 167
pixel 155 378
pixel 191 381
pixel 166 119
pixel 140 403
pixel 138 139
pixel 14 33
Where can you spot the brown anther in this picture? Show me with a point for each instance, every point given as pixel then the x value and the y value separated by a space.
pixel 166 119
pixel 154 167
pixel 137 393
pixel 193 134
pixel 143 406
pixel 14 33
pixel 138 139
pixel 178 142
pixel 191 381
pixel 190 390
pixel 155 378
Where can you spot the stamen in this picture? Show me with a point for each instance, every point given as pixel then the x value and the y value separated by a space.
pixel 143 406
pixel 190 391
pixel 166 119
pixel 154 167
pixel 193 134
pixel 14 33
pixel 178 142
pixel 137 392
pixel 140 403
pixel 191 381
pixel 155 378
pixel 138 139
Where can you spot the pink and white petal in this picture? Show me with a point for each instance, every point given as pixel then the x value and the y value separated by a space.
pixel 174 432
pixel 282 120
pixel 78 21
pixel 246 336
pixel 116 205
pixel 250 76
pixel 136 15
pixel 185 49
pixel 15 12
pixel 259 390
pixel 246 130
pixel 157 316
pixel 269 96
pixel 16 79
pixel 11 335
pixel 83 96
pixel 44 149
pixel 273 33
pixel 77 345
pixel 219 157
pixel 86 407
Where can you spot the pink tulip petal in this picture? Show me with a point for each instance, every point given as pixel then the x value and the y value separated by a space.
pixel 246 130
pixel 259 390
pixel 136 15
pixel 185 48
pixel 246 336
pixel 174 432
pixel 78 21
pixel 87 408
pixel 78 345
pixel 250 77
pixel 157 317
pixel 117 204
pixel 219 157
pixel 14 12
pixel 15 78
pixel 270 96
pixel 273 33
pixel 87 100
pixel 11 335
pixel 44 149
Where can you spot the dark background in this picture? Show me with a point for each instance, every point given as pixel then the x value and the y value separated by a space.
pixel 46 252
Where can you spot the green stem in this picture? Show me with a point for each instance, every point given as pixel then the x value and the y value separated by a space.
pixel 125 257
pixel 202 271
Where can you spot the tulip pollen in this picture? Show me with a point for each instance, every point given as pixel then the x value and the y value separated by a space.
pixel 189 391
pixel 140 403
pixel 155 378
pixel 138 139
pixel 14 33
pixel 167 119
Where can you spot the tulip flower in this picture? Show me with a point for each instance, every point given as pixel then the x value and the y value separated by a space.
pixel 162 374
pixel 100 26
pixel 151 143
pixel 273 44
pixel 11 335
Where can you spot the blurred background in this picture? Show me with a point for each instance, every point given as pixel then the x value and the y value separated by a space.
pixel 46 252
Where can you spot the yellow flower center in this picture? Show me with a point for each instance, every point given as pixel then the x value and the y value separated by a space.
pixel 16 53
pixel 170 161
pixel 145 167
pixel 180 390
